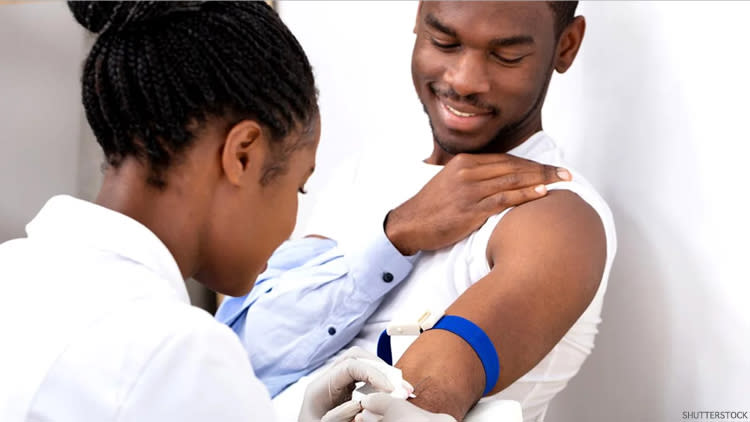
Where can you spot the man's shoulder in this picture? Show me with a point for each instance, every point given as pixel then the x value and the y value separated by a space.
pixel 561 214
pixel 579 193
pixel 559 210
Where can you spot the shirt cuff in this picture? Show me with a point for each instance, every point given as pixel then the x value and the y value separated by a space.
pixel 376 265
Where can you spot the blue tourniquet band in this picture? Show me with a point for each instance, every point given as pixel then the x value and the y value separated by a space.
pixel 384 348
pixel 479 341
pixel 471 333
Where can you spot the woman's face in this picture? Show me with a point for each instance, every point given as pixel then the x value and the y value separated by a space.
pixel 249 223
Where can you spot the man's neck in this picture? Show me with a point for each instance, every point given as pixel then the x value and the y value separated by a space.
pixel 441 157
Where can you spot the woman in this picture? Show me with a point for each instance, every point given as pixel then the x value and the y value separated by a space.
pixel 208 119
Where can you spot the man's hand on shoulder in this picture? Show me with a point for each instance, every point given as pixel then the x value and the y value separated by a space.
pixel 461 197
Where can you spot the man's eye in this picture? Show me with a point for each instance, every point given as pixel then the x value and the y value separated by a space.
pixel 506 60
pixel 444 45
pixel 302 190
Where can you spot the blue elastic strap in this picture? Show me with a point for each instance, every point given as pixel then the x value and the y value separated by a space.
pixel 479 341
pixel 384 348
pixel 471 333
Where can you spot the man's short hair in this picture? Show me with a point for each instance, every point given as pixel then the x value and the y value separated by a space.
pixel 564 13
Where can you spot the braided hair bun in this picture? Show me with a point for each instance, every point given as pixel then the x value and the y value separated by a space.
pixel 159 70
pixel 101 16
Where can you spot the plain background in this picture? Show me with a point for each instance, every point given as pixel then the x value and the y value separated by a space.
pixel 653 112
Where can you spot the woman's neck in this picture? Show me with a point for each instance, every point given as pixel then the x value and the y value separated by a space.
pixel 166 211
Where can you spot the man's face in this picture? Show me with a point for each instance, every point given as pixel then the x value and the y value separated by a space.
pixel 481 70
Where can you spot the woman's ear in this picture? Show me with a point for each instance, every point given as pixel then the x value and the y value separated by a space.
pixel 244 150
pixel 569 44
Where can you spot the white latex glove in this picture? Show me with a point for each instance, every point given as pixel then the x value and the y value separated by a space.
pixel 327 398
pixel 381 407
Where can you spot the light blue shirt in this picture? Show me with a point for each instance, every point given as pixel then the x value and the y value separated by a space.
pixel 310 302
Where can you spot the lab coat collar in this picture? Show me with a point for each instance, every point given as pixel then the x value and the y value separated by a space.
pixel 72 221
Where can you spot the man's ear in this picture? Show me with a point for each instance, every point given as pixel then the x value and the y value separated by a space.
pixel 243 150
pixel 419 10
pixel 570 43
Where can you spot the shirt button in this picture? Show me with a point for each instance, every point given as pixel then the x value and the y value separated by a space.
pixel 331 330
pixel 387 277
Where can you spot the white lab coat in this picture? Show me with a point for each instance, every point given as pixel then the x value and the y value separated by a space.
pixel 95 325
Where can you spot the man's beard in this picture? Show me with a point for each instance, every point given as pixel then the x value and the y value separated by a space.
pixel 496 143
pixel 503 140
pixel 500 138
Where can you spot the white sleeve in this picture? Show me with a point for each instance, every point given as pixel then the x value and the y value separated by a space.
pixel 200 375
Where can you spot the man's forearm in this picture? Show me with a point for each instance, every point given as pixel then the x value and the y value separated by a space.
pixel 443 386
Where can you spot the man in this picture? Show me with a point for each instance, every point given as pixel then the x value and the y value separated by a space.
pixel 532 278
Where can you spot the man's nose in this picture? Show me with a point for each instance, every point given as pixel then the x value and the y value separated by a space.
pixel 468 75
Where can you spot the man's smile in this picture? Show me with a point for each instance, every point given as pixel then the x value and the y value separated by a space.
pixel 461 116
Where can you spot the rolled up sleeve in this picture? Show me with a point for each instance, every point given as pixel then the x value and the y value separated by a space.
pixel 312 301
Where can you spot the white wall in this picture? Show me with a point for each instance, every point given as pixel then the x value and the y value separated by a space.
pixel 41 49
pixel 361 54
pixel 653 112
pixel 46 145
pixel 662 91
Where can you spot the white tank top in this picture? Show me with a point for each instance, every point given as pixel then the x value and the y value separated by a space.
pixel 440 277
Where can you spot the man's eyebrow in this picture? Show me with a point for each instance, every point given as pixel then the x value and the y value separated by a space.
pixel 512 41
pixel 432 21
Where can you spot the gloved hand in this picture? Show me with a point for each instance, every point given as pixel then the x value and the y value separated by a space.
pixel 327 398
pixel 381 407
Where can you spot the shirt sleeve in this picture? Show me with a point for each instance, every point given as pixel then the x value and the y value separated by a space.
pixel 312 300
pixel 199 374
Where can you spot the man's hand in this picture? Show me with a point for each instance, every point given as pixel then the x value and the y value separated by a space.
pixel 460 198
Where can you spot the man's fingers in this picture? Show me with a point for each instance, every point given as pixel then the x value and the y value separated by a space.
pixel 344 412
pixel 500 201
pixel 511 181
pixel 487 166
pixel 495 158
pixel 485 158
pixel 546 173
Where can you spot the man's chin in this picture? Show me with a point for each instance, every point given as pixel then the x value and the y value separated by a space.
pixel 454 142
pixel 453 145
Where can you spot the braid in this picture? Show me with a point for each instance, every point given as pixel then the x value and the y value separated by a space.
pixel 157 68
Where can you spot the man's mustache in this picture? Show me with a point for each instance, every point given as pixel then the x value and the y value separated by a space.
pixel 472 99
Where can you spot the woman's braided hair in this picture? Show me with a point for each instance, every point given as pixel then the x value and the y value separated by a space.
pixel 158 70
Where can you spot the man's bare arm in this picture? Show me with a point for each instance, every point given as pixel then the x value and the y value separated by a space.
pixel 547 258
